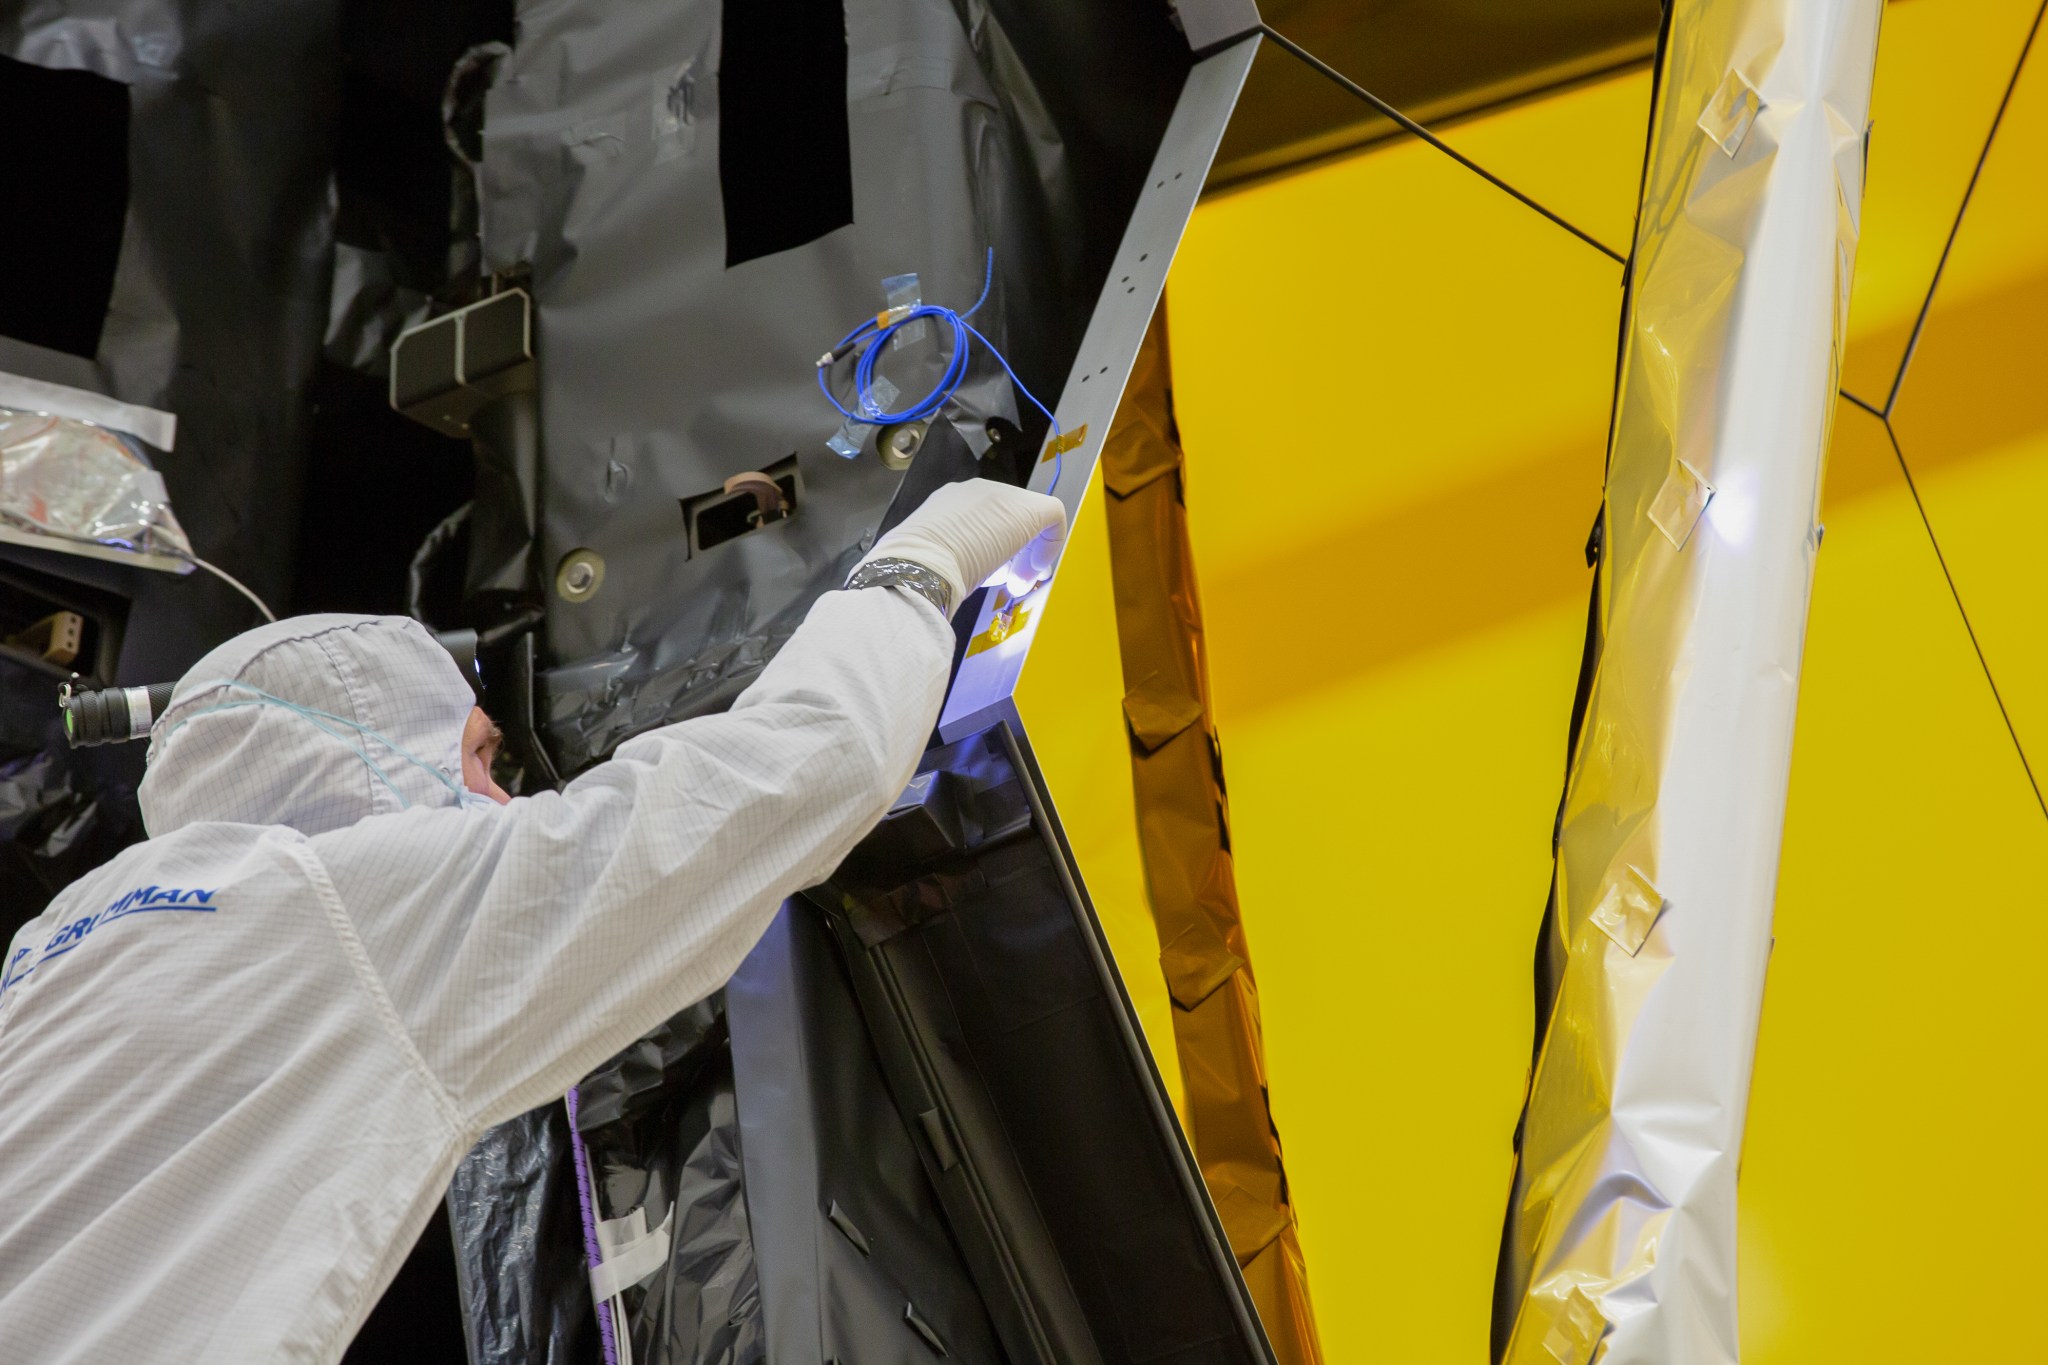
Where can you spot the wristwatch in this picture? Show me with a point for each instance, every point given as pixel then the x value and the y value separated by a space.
pixel 905 573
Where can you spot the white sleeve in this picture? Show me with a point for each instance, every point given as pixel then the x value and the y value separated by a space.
pixel 522 945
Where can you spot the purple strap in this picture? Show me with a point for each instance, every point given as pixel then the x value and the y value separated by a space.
pixel 586 1200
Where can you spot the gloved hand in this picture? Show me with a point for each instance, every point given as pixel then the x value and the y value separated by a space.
pixel 966 532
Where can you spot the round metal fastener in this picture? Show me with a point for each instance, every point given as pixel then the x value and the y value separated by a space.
pixel 579 575
pixel 898 445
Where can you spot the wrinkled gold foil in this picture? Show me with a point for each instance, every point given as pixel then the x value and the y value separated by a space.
pixel 1620 1237
pixel 1183 835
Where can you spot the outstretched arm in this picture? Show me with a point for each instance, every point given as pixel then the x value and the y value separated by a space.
pixel 523 944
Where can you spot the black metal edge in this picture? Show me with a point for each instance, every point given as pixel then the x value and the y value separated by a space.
pixel 1004 717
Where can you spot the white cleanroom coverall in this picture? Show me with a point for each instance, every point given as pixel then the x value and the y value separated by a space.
pixel 239 1062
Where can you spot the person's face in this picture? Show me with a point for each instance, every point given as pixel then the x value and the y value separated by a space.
pixel 480 741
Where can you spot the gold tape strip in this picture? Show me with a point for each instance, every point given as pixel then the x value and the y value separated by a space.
pixel 1183 832
pixel 1000 628
pixel 1064 442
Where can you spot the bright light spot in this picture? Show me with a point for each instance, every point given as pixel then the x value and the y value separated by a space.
pixel 1732 509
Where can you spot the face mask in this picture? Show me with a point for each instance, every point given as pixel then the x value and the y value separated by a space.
pixel 337 728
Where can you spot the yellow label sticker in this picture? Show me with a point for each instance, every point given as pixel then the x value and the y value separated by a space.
pixel 1064 442
pixel 1000 628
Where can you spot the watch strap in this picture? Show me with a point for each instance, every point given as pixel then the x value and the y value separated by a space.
pixel 904 573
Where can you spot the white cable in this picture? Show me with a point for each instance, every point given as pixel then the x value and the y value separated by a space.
pixel 237 584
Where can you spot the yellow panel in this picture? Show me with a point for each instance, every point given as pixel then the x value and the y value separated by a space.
pixel 1359 432
pixel 1369 338
pixel 1978 392
pixel 1392 875
pixel 1395 459
pixel 1902 1061
pixel 1894 1129
pixel 1393 388
pixel 1940 71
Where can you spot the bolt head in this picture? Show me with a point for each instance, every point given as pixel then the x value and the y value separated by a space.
pixel 579 575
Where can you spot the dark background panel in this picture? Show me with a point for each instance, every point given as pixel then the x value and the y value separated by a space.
pixel 1435 60
pixel 63 198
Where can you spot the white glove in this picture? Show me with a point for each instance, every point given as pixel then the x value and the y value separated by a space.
pixel 967 532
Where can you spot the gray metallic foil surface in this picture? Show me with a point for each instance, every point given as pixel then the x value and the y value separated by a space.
pixel 671 358
pixel 1620 1240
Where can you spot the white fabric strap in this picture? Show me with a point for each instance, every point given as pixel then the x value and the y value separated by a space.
pixel 631 1253
pixel 140 713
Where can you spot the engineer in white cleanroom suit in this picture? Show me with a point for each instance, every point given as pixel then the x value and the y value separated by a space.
pixel 239 1063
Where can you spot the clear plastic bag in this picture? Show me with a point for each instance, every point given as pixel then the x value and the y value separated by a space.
pixel 77 480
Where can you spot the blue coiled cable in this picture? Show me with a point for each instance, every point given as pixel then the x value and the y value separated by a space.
pixel 874 333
